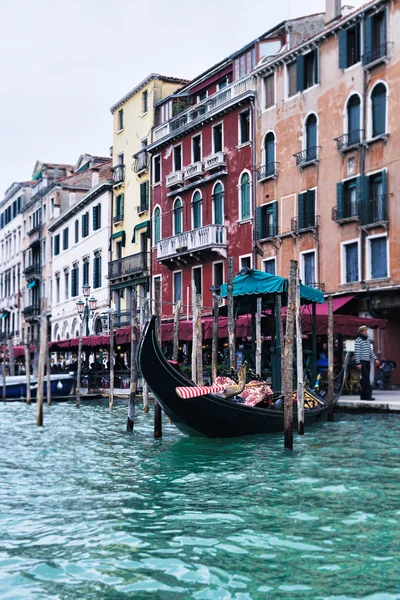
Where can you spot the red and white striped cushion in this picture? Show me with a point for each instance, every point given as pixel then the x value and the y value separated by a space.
pixel 199 390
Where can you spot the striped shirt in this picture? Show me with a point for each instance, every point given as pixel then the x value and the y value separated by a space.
pixel 363 350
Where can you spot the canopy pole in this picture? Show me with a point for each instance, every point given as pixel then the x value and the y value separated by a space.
pixel 258 338
pixel 288 356
pixel 214 350
pixel 28 369
pixel 231 321
pixel 177 313
pixel 157 311
pixel 79 369
pixel 133 382
pixel 330 360
pixel 194 333
pixel 314 344
pixel 299 355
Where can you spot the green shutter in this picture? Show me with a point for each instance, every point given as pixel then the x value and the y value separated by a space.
pixel 363 199
pixel 94 217
pixel 316 66
pixel 339 200
pixel 300 73
pixel 310 208
pixel 259 222
pixel 275 215
pixel 83 225
pixel 73 283
pixel 301 210
pixel 368 37
pixel 343 49
pixel 144 196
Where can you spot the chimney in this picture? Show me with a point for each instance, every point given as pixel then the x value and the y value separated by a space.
pixel 333 10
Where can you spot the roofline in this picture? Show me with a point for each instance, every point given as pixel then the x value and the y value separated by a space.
pixel 142 84
pixel 90 195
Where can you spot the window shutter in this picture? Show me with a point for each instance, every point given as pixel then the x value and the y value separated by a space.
pixel 94 217
pixel 83 225
pixel 73 282
pixel 98 216
pixel 122 205
pixel 343 49
pixel 368 35
pixel 275 215
pixel 363 199
pixel 146 187
pixel 301 210
pixel 310 208
pixel 339 200
pixel 260 222
pixel 316 66
pixel 300 73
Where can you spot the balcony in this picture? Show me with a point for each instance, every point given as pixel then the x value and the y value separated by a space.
pixel 375 56
pixel 306 157
pixel 349 141
pixel 344 213
pixel 122 319
pixel 141 162
pixel 31 312
pixel 118 218
pixel 207 240
pixel 268 171
pixel 221 100
pixel 134 264
pixel 194 170
pixel 118 174
pixel 34 229
pixel 374 210
pixel 304 223
pixel 215 161
pixel 173 179
pixel 33 271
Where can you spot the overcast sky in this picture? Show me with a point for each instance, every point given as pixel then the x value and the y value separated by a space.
pixel 65 62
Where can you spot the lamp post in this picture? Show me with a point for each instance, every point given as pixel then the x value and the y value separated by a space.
pixel 86 309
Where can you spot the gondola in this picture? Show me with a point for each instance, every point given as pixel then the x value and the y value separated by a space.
pixel 210 415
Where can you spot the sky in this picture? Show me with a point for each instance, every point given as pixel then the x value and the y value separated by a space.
pixel 64 63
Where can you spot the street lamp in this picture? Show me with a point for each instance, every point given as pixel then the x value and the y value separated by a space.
pixel 86 309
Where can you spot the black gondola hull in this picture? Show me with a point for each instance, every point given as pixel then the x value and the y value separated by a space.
pixel 209 415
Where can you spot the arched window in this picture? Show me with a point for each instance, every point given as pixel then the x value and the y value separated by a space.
pixel 218 199
pixel 378 104
pixel 177 216
pixel 311 138
pixel 98 326
pixel 157 224
pixel 269 154
pixel 245 204
pixel 353 120
pixel 196 210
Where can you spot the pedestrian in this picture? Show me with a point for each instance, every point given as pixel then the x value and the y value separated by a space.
pixel 363 354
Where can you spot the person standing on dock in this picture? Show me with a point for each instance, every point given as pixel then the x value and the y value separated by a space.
pixel 363 354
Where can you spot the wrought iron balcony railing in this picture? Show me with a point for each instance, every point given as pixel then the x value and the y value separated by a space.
pixel 118 218
pixel 34 229
pixel 34 270
pixel 377 53
pixel 129 265
pixel 373 210
pixel 269 231
pixel 267 171
pixel 118 173
pixel 141 161
pixel 345 212
pixel 307 156
pixel 31 311
pixel 304 222
pixel 349 140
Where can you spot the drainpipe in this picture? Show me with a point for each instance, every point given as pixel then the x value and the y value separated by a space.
pixel 254 179
pixel 362 159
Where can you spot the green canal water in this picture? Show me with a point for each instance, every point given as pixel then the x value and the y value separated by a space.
pixel 90 512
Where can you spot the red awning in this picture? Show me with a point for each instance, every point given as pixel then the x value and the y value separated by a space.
pixel 338 302
pixel 342 324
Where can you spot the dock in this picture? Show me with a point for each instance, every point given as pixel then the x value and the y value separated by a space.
pixel 385 401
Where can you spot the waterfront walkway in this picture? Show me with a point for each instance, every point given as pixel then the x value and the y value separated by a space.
pixel 385 401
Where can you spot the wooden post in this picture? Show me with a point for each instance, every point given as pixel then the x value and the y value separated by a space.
pixel 231 321
pixel 330 360
pixel 145 387
pixel 281 335
pixel 4 372
pixel 214 350
pixel 157 311
pixel 177 313
pixel 11 360
pixel 79 369
pixel 194 333
pixel 35 353
pixel 111 362
pixel 299 356
pixel 314 344
pixel 133 383
pixel 199 339
pixel 48 370
pixel 288 357
pixel 258 337
pixel 42 362
pixel 28 369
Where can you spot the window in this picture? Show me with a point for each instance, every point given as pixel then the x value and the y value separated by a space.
pixel 375 41
pixel 85 275
pixel 245 262
pixel 269 91
pixel 85 224
pixel 270 266
pixel 196 210
pixel 157 224
pixel 177 286
pixel 97 271
pixel 307 70
pixel 96 215
pixel 378 105
pixel 218 273
pixel 311 138
pixel 119 208
pixel 120 119
pixel 244 127
pixel 156 169
pixel 353 120
pixel 144 196
pixel 267 220
pixel 177 216
pixel 218 143
pixel 377 197
pixel 65 238
pixel 76 231
pixel 378 258
pixel 306 210
pixel 196 148
pixel 75 280
pixel 350 262
pixel 308 268
pixel 145 102
pixel 347 199
pixel 58 288
pixel 218 204
pixel 349 46
pixel 66 284
pixel 245 204
pixel 269 154
pixel 222 84
pixel 178 158
pixel 196 272
pixel 202 96
pixel 56 245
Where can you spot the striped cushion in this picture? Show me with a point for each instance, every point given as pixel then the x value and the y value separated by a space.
pixel 199 390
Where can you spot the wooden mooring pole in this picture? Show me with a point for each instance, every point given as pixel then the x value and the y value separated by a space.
pixel 281 336
pixel 288 357
pixel 28 369
pixel 258 337
pixel 214 349
pixel 41 365
pixel 231 320
pixel 299 357
pixel 48 371
pixel 11 360
pixel 4 372
pixel 145 387
pixel 133 382
pixel 79 369
pixel 330 360
pixel 157 312
pixel 199 341
pixel 194 333
pixel 111 362
pixel 177 312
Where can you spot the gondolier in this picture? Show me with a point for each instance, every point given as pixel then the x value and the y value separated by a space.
pixel 363 354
